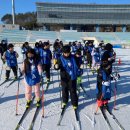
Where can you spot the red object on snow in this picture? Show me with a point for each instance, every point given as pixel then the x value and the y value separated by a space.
pixel 119 61
pixel 105 102
pixel 99 103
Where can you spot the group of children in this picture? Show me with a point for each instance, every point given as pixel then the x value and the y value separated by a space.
pixel 9 58
pixel 70 60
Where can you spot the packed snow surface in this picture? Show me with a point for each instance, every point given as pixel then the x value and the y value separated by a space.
pixel 52 103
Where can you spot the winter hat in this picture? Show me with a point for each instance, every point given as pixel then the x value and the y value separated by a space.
pixel 46 43
pixel 26 43
pixel 74 43
pixel 108 47
pixel 3 42
pixel 32 51
pixel 100 44
pixel 66 49
pixel 37 44
pixel 10 46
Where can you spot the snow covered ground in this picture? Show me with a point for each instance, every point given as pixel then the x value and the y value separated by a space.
pixel 87 106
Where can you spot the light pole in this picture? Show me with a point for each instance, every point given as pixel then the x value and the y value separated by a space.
pixel 13 11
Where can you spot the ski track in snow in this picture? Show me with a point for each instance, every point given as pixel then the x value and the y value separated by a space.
pixel 87 105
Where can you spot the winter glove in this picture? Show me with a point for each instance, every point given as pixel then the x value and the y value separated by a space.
pixel 56 66
pixel 106 83
pixel 55 61
pixel 81 66
pixel 117 77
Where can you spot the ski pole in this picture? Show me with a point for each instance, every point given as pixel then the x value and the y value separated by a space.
pixel 18 93
pixel 1 71
pixel 60 93
pixel 60 88
pixel 58 76
pixel 88 78
pixel 23 57
pixel 42 99
pixel 115 96
pixel 115 90
pixel 52 78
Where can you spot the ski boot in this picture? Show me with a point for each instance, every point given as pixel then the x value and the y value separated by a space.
pixel 63 105
pixel 102 108
pixel 105 104
pixel 6 78
pixel 75 107
pixel 15 77
pixel 93 71
pixel 100 104
pixel 28 103
pixel 48 81
pixel 38 102
pixel 88 65
pixel 47 85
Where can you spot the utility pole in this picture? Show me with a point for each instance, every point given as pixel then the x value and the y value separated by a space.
pixel 13 12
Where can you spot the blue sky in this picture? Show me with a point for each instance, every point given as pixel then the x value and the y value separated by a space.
pixel 29 5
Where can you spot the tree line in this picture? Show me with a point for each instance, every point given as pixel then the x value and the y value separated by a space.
pixel 26 20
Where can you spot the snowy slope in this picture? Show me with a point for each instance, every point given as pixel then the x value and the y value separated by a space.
pixel 87 106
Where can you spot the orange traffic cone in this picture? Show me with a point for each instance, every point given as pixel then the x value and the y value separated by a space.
pixel 119 61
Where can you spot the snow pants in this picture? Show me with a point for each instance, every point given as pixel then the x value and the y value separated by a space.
pixel 69 87
pixel 46 68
